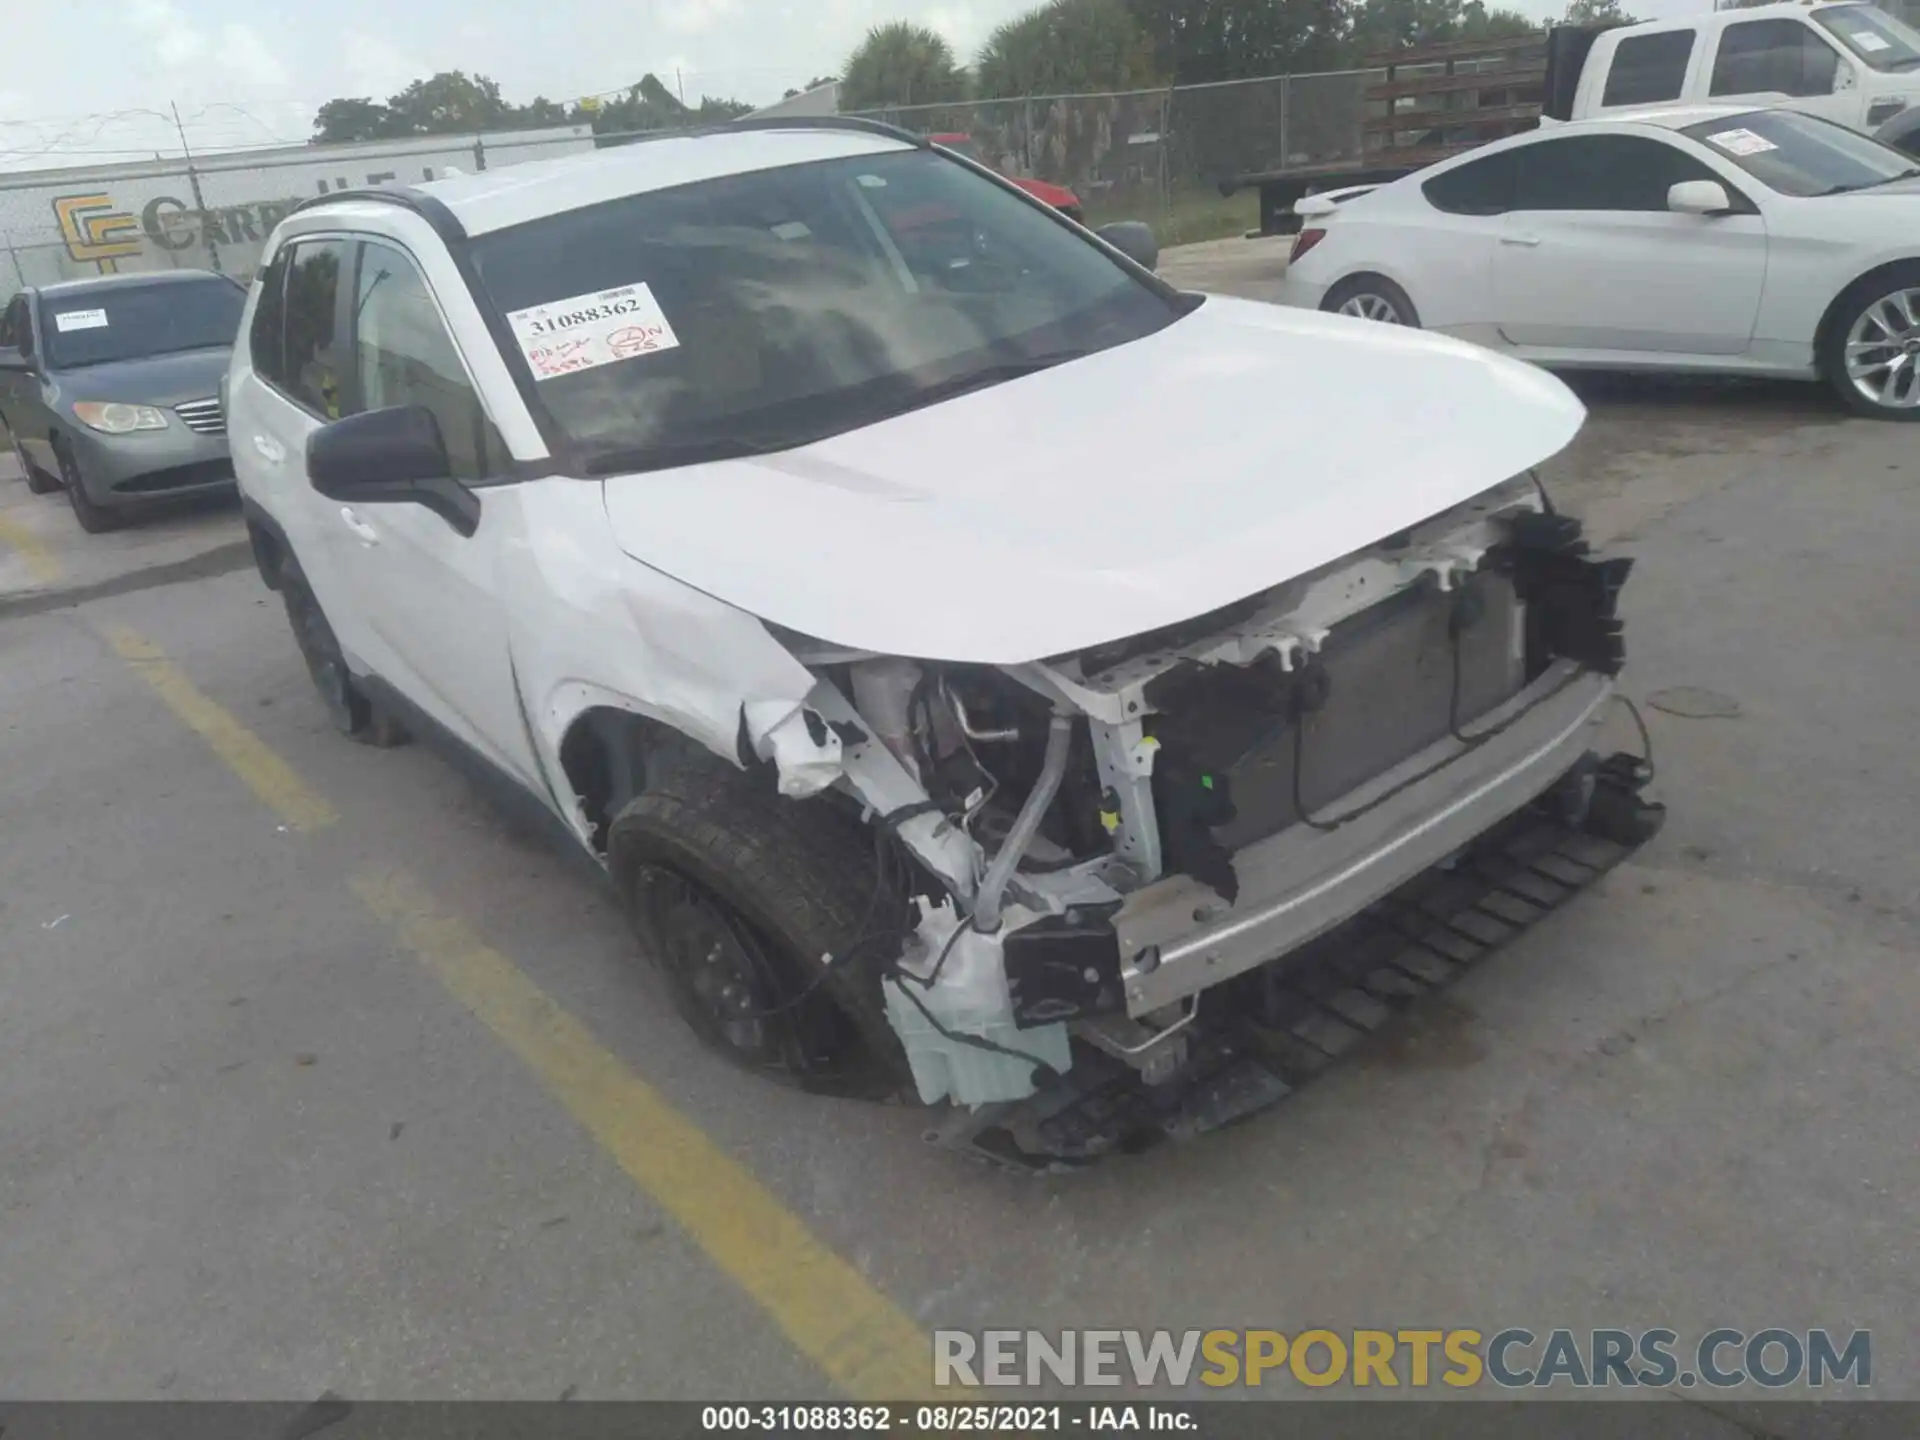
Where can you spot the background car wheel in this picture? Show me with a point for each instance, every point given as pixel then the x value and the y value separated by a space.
pixel 38 481
pixel 1870 352
pixel 737 894
pixel 93 519
pixel 1372 297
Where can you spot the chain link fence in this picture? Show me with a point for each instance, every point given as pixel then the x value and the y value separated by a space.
pixel 1153 155
pixel 1160 155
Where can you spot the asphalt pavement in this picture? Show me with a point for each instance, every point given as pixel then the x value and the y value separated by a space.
pixel 316 1074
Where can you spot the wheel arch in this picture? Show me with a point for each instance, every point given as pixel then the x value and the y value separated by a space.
pixel 1370 271
pixel 1834 316
pixel 605 749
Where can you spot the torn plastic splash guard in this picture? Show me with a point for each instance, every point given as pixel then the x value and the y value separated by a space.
pixel 1267 1033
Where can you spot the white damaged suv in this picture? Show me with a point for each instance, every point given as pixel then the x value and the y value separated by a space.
pixel 983 670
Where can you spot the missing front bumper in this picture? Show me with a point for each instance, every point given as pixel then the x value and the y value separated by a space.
pixel 1265 1033
pixel 1178 937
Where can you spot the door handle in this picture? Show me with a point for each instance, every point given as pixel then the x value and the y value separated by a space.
pixel 268 450
pixel 1528 240
pixel 363 532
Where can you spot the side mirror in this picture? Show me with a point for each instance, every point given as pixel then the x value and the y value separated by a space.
pixel 1699 197
pixel 12 359
pixel 395 456
pixel 1133 239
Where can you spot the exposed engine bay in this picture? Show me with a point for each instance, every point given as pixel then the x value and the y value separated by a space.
pixel 1103 838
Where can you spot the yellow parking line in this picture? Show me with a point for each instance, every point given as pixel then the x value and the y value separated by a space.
pixel 42 567
pixel 864 1343
pixel 264 772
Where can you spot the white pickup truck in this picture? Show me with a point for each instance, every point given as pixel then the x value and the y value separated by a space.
pixel 1850 63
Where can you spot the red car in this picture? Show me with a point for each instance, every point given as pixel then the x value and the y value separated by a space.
pixel 1058 196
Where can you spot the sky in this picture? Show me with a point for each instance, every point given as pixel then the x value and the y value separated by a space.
pixel 96 83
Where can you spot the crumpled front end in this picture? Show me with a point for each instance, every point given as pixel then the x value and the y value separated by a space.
pixel 1121 832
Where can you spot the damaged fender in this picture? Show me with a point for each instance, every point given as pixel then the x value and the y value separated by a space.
pixel 654 647
pixel 696 665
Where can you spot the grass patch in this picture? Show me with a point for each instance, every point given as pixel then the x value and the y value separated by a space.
pixel 1185 217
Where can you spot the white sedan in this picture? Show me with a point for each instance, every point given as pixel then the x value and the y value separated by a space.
pixel 1710 239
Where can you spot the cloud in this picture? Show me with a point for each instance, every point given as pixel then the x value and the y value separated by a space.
pixel 379 68
pixel 245 55
pixel 174 39
pixel 957 24
pixel 694 17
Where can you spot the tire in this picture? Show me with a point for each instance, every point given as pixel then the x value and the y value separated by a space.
pixel 352 713
pixel 93 518
pixel 1869 352
pixel 736 894
pixel 1372 297
pixel 38 481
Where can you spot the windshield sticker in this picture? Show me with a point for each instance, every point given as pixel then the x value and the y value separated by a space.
pixel 586 331
pixel 1868 41
pixel 80 320
pixel 1742 142
pixel 792 230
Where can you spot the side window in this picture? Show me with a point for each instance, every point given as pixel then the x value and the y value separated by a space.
pixel 315 360
pixel 10 323
pixel 1761 56
pixel 1602 172
pixel 403 355
pixel 266 341
pixel 1481 187
pixel 1648 69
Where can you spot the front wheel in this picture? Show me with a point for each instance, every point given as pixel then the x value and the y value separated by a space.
pixel 1372 297
pixel 93 518
pixel 737 896
pixel 1871 352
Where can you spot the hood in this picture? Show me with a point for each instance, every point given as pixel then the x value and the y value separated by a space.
pixel 1241 446
pixel 1900 192
pixel 152 380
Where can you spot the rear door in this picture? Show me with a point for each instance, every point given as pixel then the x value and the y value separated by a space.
pixel 1591 259
pixel 296 358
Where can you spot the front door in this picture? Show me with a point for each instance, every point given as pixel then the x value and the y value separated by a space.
pixel 1591 260
pixel 430 595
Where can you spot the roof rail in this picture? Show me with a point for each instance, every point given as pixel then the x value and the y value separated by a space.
pixel 430 208
pixel 827 122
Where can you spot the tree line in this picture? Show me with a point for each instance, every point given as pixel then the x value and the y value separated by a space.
pixel 1062 47
pixel 455 103
pixel 1070 47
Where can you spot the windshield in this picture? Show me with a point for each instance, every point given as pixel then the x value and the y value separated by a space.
pixel 131 322
pixel 1801 154
pixel 1875 36
pixel 763 310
